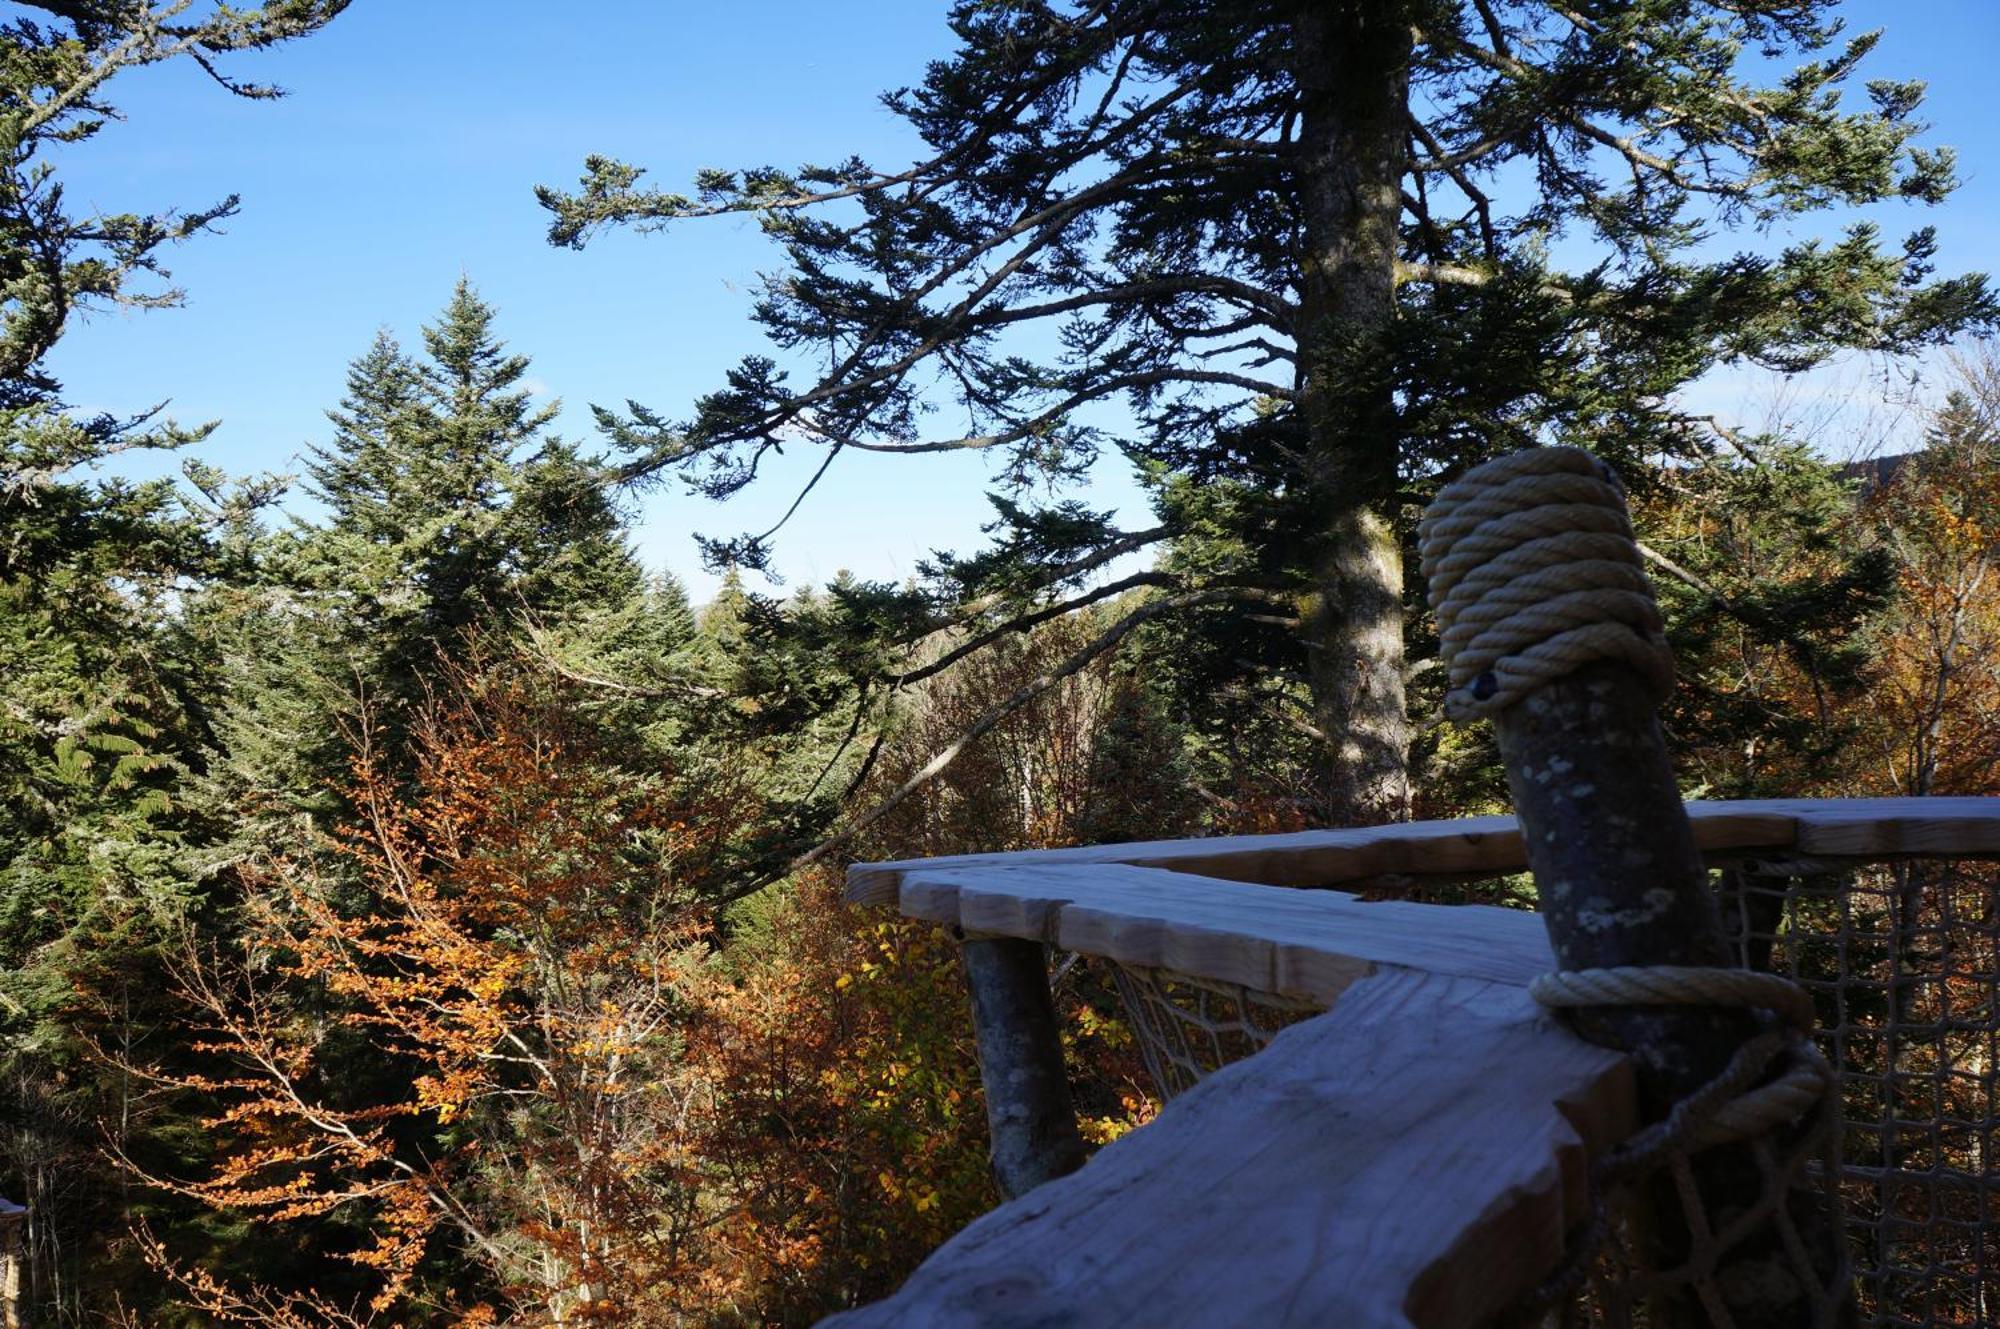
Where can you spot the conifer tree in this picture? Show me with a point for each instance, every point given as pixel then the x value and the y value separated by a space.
pixel 1323 254
pixel 1771 596
pixel 419 476
pixel 105 695
pixel 566 540
pixel 721 619
pixel 450 511
pixel 54 263
pixel 670 611
pixel 357 474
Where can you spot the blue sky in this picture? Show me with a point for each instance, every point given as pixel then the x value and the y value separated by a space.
pixel 417 129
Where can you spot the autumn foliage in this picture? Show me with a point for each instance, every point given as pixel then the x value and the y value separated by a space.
pixel 474 1021
pixel 493 1024
pixel 1936 699
pixel 505 1048
pixel 499 1023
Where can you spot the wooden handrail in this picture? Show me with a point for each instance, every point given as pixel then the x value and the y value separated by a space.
pixel 1857 828
pixel 1309 944
pixel 1413 1157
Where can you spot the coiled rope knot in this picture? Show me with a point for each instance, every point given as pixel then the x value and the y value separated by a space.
pixel 1732 1106
pixel 1534 572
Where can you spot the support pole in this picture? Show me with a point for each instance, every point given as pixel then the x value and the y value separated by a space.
pixel 1621 881
pixel 1028 1111
pixel 13 1310
pixel 1622 884
pixel 1615 864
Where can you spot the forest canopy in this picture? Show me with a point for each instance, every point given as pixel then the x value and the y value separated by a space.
pixel 417 907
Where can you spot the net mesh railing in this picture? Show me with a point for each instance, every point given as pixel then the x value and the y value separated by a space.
pixel 1187 1028
pixel 1903 963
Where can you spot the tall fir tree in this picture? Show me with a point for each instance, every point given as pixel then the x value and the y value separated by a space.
pixel 358 473
pixel 417 480
pixel 105 697
pixel 452 522
pixel 1325 254
pixel 450 512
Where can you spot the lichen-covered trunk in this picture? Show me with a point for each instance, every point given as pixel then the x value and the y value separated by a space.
pixel 1351 62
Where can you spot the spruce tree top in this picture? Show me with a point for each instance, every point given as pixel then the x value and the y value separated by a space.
pixel 1296 263
pixel 1139 182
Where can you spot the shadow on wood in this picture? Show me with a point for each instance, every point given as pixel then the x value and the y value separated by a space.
pixel 1412 1157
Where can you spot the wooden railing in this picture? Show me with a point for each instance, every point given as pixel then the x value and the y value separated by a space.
pixel 1417 1155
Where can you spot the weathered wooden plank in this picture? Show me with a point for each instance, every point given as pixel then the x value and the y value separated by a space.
pixel 1480 845
pixel 1932 827
pixel 1309 944
pixel 1301 858
pixel 1411 1158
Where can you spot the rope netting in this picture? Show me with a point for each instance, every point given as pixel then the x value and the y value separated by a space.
pixel 1902 966
pixel 1188 1028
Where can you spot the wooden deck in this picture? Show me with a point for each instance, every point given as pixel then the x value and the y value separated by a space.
pixel 1413 1157
pixel 1410 1158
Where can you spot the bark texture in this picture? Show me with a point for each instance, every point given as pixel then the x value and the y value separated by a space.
pixel 1622 883
pixel 1351 63
pixel 1034 1137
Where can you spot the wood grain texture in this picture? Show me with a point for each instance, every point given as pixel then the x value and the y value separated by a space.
pixel 1861 827
pixel 1411 1158
pixel 1892 827
pixel 1309 944
pixel 1302 858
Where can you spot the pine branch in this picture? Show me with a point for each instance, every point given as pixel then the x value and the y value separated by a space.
pixel 992 718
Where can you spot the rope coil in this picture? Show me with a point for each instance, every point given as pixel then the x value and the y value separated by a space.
pixel 1732 1106
pixel 1534 572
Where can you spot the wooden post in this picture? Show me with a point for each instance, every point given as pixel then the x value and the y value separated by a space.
pixel 1028 1110
pixel 1621 884
pixel 13 1218
pixel 1549 626
pixel 1615 862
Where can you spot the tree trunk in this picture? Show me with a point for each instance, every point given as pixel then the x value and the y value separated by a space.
pixel 1351 62
pixel 1030 1120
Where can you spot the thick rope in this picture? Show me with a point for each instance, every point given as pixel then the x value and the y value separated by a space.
pixel 1534 572
pixel 1732 1106
pixel 1676 985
